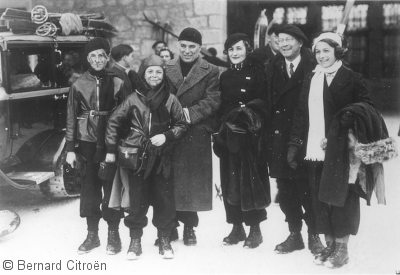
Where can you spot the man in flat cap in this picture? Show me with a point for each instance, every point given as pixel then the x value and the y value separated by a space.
pixel 197 88
pixel 91 99
pixel 285 74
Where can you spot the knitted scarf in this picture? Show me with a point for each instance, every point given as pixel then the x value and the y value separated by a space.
pixel 316 131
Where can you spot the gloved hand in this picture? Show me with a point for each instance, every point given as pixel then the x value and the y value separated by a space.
pixel 347 119
pixel 291 156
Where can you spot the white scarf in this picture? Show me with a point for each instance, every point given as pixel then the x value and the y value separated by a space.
pixel 316 130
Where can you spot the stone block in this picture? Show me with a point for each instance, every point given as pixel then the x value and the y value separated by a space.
pixel 93 4
pixel 126 2
pixel 111 2
pixel 145 47
pixel 122 23
pixel 212 36
pixel 207 7
pixel 217 21
pixel 198 22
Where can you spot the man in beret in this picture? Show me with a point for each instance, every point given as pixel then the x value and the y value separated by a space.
pixel 285 74
pixel 91 99
pixel 197 88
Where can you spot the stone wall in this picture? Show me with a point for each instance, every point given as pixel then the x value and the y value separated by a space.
pixel 208 16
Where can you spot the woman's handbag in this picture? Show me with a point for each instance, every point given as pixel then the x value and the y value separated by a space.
pixel 134 158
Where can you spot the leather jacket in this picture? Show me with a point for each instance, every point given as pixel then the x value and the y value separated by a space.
pixel 135 108
pixel 83 107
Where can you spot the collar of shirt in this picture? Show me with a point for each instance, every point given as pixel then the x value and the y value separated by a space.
pixel 125 69
pixel 295 63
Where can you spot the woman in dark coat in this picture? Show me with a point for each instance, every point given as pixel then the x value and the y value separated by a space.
pixel 243 169
pixel 156 118
pixel 330 88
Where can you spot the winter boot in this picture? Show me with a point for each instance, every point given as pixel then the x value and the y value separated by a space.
pixel 113 242
pixel 165 249
pixel 237 235
pixel 325 253
pixel 255 238
pixel 92 241
pixel 314 244
pixel 135 249
pixel 174 236
pixel 189 237
pixel 292 243
pixel 339 256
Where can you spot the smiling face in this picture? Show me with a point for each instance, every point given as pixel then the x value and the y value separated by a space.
pixel 237 52
pixel 154 75
pixel 98 59
pixel 188 51
pixel 289 46
pixel 325 54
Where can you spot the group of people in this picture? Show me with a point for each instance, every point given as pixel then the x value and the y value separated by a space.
pixel 283 111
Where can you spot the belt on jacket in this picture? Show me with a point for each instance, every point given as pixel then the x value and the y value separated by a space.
pixel 95 113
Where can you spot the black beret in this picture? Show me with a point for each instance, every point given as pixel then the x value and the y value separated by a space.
pixel 234 38
pixel 293 31
pixel 96 44
pixel 190 34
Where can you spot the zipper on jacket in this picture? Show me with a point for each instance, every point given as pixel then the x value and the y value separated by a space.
pixel 97 94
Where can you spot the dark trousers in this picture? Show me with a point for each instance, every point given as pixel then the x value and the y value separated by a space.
pixel 294 195
pixel 95 193
pixel 156 191
pixel 188 218
pixel 332 220
pixel 235 215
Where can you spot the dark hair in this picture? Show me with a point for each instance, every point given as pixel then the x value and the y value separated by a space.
pixel 339 51
pixel 120 51
pixel 168 50
pixel 212 51
pixel 158 42
pixel 247 45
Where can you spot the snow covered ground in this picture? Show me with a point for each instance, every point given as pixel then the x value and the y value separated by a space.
pixel 51 231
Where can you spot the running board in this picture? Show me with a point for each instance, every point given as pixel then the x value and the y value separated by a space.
pixel 30 178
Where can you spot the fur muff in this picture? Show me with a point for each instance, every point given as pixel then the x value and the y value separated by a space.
pixel 378 151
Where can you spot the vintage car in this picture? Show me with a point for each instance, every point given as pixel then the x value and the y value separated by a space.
pixel 35 75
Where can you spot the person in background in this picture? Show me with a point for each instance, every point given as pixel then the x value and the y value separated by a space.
pixel 92 97
pixel 157 46
pixel 331 99
pixel 123 56
pixel 197 88
pixel 266 53
pixel 285 74
pixel 156 116
pixel 166 54
pixel 243 168
pixel 213 59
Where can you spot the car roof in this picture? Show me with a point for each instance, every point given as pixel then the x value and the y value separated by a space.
pixel 11 38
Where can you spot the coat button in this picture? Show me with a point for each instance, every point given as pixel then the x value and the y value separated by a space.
pixel 276 132
pixel 277 112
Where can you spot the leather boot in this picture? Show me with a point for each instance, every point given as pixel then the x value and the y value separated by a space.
pixel 92 241
pixel 237 235
pixel 314 244
pixel 255 238
pixel 189 237
pixel 113 242
pixel 292 243
pixel 339 256
pixel 165 248
pixel 174 236
pixel 325 253
pixel 135 249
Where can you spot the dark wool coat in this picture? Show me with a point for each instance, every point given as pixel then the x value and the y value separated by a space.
pixel 284 93
pixel 192 158
pixel 243 165
pixel 347 87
